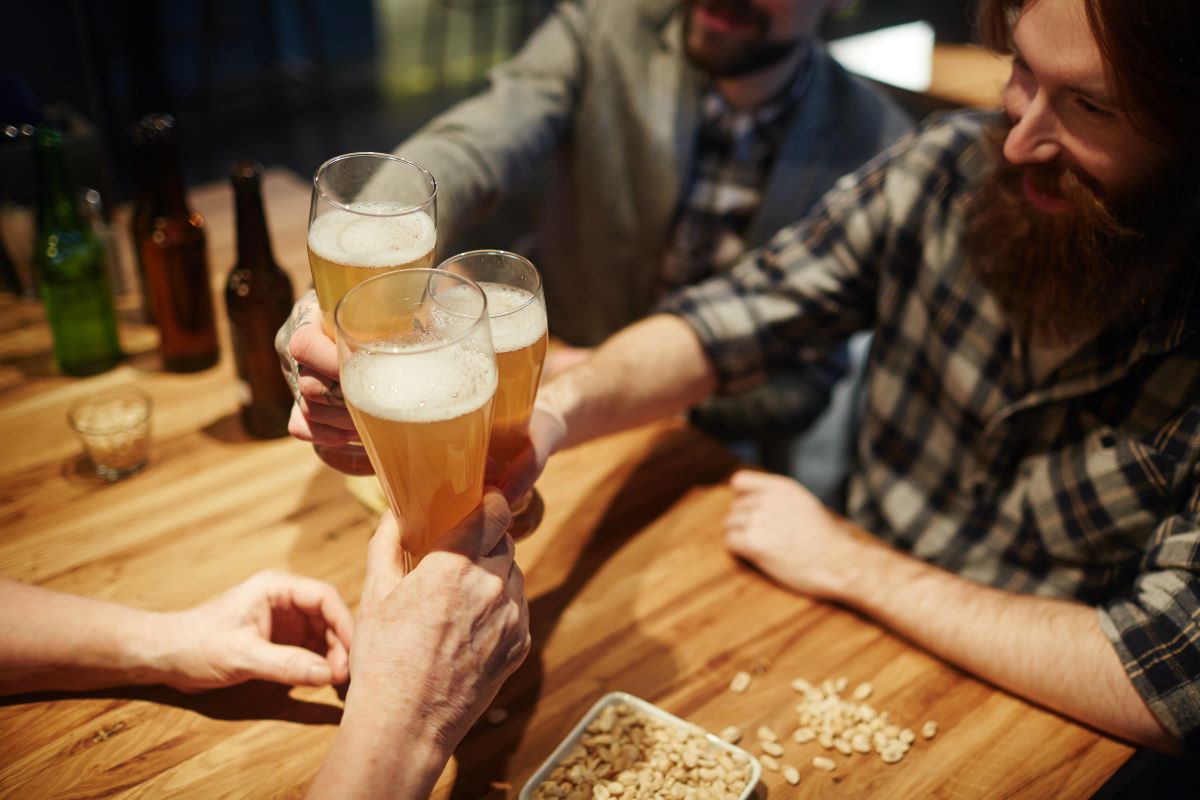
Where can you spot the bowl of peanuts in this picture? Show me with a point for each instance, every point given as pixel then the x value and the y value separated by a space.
pixel 625 748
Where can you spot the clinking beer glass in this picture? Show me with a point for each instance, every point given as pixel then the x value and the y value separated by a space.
pixel 370 213
pixel 419 376
pixel 517 311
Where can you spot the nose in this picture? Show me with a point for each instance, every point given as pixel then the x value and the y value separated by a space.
pixel 1034 138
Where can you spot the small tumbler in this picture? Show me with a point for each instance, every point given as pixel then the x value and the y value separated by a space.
pixel 114 427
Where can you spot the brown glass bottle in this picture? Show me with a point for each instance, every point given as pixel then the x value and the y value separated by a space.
pixel 258 297
pixel 175 258
pixel 143 201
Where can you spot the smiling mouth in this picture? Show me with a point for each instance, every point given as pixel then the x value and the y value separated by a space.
pixel 728 20
pixel 1048 203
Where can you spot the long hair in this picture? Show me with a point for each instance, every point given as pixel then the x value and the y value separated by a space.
pixel 1152 55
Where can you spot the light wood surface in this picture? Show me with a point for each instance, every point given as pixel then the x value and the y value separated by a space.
pixel 630 589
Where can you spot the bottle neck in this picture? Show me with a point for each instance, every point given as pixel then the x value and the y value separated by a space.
pixel 169 193
pixel 56 199
pixel 253 239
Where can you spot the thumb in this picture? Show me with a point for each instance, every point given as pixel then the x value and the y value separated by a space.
pixel 478 534
pixel 547 433
pixel 280 663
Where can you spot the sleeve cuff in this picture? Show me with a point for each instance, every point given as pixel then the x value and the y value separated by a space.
pixel 727 330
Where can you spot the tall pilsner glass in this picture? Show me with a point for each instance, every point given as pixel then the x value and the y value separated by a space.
pixel 517 311
pixel 370 213
pixel 419 377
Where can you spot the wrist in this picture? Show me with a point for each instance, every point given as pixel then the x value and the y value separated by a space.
pixel 385 746
pixel 551 419
pixel 155 648
pixel 876 577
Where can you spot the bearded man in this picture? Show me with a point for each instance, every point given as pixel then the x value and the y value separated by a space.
pixel 1026 501
pixel 681 134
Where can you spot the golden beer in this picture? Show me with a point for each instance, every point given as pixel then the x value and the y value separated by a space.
pixel 520 338
pixel 345 247
pixel 424 417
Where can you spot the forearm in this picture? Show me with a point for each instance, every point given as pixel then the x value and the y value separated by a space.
pixel 1047 650
pixel 651 370
pixel 52 640
pixel 379 751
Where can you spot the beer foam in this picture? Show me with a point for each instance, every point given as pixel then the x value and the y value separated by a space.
pixel 513 327
pixel 363 240
pixel 416 385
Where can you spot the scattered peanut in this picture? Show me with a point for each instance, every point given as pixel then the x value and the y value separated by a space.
pixel 740 682
pixel 862 692
pixel 791 775
pixel 769 763
pixel 772 748
pixel 821 762
pixel 765 734
pixel 805 735
pixel 732 734
pixel 929 729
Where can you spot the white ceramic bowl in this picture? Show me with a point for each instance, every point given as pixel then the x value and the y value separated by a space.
pixel 612 698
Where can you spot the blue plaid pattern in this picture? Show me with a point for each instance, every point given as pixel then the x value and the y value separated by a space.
pixel 735 149
pixel 1082 486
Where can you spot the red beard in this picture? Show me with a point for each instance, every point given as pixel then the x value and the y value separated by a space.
pixel 1065 275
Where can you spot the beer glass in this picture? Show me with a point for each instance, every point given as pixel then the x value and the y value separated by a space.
pixel 517 311
pixel 370 213
pixel 419 377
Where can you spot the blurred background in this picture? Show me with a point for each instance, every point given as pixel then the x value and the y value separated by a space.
pixel 286 82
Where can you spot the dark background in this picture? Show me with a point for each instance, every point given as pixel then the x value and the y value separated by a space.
pixel 286 82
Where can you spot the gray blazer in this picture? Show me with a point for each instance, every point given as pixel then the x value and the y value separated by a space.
pixel 604 89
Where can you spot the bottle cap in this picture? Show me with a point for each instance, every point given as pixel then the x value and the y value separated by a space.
pixel 246 173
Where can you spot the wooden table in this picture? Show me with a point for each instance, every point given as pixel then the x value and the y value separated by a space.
pixel 629 586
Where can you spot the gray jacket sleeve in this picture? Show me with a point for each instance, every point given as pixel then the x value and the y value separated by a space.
pixel 492 142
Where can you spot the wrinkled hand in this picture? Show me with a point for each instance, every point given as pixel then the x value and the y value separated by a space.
pixel 783 529
pixel 272 626
pixel 547 431
pixel 310 363
pixel 437 644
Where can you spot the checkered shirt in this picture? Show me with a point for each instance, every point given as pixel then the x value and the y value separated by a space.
pixel 1081 486
pixel 735 149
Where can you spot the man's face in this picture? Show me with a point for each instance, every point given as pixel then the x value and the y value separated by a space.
pixel 1065 116
pixel 731 38
pixel 1069 227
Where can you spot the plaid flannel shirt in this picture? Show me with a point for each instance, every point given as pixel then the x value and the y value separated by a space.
pixel 1081 486
pixel 735 149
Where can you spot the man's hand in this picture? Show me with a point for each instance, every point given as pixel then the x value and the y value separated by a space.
pixel 447 635
pixel 272 626
pixel 310 363
pixel 431 650
pixel 562 358
pixel 784 530
pixel 547 432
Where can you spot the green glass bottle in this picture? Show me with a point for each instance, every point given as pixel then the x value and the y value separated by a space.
pixel 71 274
